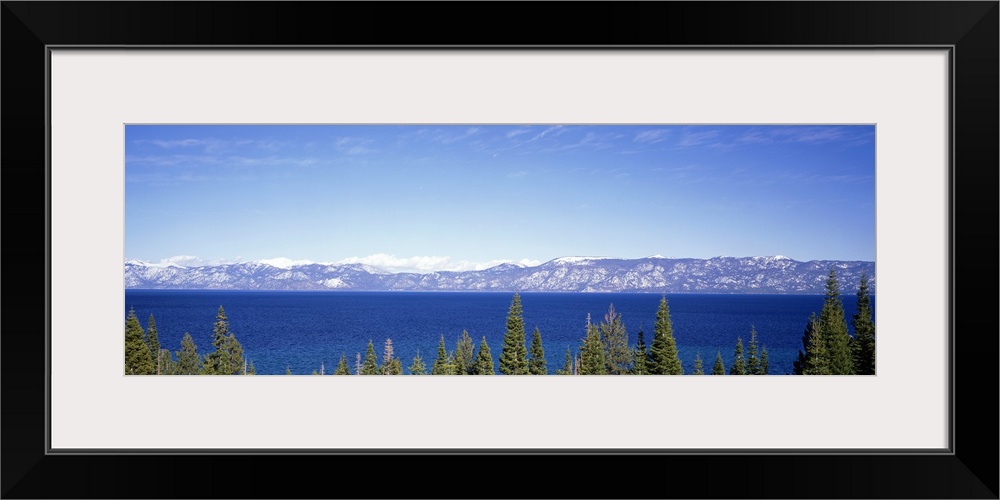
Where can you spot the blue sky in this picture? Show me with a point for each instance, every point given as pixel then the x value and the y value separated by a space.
pixel 455 197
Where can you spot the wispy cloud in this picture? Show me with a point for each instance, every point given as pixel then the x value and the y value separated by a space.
pixel 353 145
pixel 807 135
pixel 691 139
pixel 652 136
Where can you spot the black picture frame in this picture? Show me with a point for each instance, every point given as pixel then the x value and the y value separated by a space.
pixel 970 29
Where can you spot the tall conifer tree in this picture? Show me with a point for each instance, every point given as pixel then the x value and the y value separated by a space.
pixel 537 364
pixel 592 353
pixel 370 367
pixel 719 368
pixel 739 360
pixel 699 368
pixel 342 367
pixel 834 326
pixel 753 354
pixel 567 368
pixel 514 354
pixel 640 357
pixel 464 355
pixel 153 342
pixel 188 360
pixel 614 337
pixel 863 345
pixel 443 364
pixel 418 367
pixel 665 360
pixel 137 358
pixel 484 360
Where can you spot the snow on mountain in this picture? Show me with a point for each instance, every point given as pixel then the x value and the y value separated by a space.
pixel 769 274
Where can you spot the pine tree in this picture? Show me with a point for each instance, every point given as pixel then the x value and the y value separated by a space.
pixel 464 360
pixel 699 369
pixel 484 360
pixel 391 365
pixel 764 368
pixel 153 343
pixel 753 354
pixel 592 353
pixel 739 361
pixel 514 354
pixel 567 368
pixel 188 360
pixel 288 370
pixel 371 362
pixel 443 364
pixel 834 327
pixel 665 360
pixel 418 367
pixel 251 370
pixel 537 364
pixel 719 368
pixel 614 339
pixel 138 361
pixel 165 363
pixel 863 345
pixel 342 367
pixel 816 360
pixel 235 350
pixel 640 357
pixel 227 359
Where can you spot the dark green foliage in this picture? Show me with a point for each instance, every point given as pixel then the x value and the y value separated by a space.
pixel 537 364
pixel 739 360
pixel 863 344
pixel 665 360
pixel 371 362
pixel 418 367
pixel 484 360
pixel 753 354
pixel 188 360
pixel 443 364
pixel 514 354
pixel 764 368
pixel 834 326
pixel 816 360
pixel 592 353
pixel 640 357
pixel 342 366
pixel 719 368
pixel 138 361
pixel 165 363
pixel 614 338
pixel 152 339
pixel 699 369
pixel 227 359
pixel 464 355
pixel 567 368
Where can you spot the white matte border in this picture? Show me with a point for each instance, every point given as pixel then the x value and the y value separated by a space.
pixel 94 93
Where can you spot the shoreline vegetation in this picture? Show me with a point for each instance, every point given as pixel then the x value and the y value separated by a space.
pixel 827 349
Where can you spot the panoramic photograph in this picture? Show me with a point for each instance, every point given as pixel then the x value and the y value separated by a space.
pixel 485 249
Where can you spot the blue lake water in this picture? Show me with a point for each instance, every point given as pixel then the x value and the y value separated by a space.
pixel 302 330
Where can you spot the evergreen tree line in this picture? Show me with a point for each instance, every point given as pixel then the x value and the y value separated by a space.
pixel 827 346
pixel 828 349
pixel 604 350
pixel 145 356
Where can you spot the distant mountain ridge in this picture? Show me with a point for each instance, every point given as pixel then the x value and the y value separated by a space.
pixel 771 274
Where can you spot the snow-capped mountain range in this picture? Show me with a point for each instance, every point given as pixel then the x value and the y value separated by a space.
pixel 773 274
